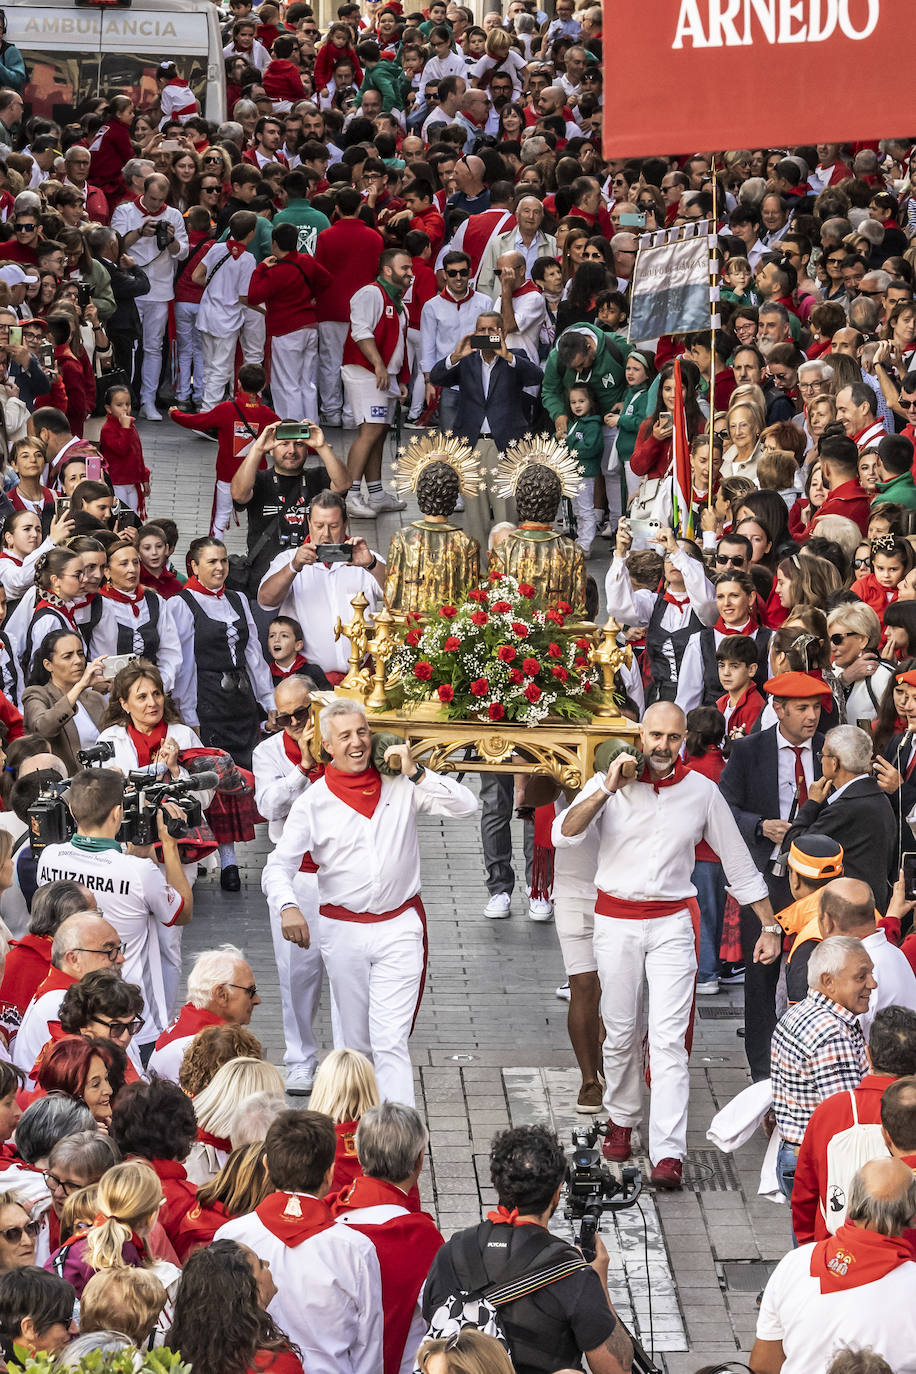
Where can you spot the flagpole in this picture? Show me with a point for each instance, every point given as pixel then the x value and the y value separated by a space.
pixel 713 315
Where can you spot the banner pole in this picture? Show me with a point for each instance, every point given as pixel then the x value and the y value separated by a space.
pixel 713 308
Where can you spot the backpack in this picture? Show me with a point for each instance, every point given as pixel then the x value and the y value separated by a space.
pixel 478 1300
pixel 847 1151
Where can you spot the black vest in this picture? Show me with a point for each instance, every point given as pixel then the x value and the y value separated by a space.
pixel 712 687
pixel 665 649
pixel 148 632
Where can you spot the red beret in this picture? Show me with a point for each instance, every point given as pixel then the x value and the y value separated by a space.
pixel 909 678
pixel 796 686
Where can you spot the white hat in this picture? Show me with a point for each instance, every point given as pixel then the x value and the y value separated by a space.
pixel 13 275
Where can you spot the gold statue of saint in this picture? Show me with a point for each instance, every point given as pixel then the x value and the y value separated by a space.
pixel 433 563
pixel 537 473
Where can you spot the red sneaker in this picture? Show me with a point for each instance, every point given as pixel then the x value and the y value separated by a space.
pixel 667 1174
pixel 616 1145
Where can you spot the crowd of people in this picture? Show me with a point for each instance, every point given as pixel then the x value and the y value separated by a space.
pixel 407 223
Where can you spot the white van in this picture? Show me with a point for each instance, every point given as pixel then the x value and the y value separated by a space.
pixel 111 49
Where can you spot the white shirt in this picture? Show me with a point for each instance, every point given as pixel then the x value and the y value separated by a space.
pixel 530 310
pixel 329 1294
pixel 437 68
pixel 366 307
pixel 513 66
pixel 158 263
pixel 785 755
pixel 104 638
pixel 896 980
pixel 133 895
pixel 486 370
pixel 632 606
pixel 813 1326
pixel 663 827
pixel 18 576
pixel 377 1216
pixel 690 676
pixel 444 323
pixel 217 608
pixel 257 57
pixel 34 1029
pixel 318 595
pixel 277 783
pixel 574 868
pixel 220 309
pixel 125 754
pixel 364 863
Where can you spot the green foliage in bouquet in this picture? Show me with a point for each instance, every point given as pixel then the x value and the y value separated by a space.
pixel 497 658
pixel 157 1361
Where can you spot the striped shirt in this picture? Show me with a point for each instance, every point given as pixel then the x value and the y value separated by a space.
pixel 818 1049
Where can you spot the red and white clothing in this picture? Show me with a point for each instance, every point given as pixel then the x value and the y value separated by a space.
pixel 870 436
pixel 690 678
pixel 125 617
pixel 374 315
pixel 406 1242
pixel 237 424
pixel 329 1288
pixel 350 251
pixel 177 101
pixel 28 963
pixel 647 925
pixel 361 831
pixel 289 289
pixel 320 592
pixel 278 781
pixel 740 717
pixel 159 266
pixel 221 316
pixel 870 590
pixel 17 575
pixel 165 1061
pixel 34 1032
pixel 123 455
pixel 530 310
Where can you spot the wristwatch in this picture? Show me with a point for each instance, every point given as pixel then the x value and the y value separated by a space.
pixel 371 566
pixel 772 930
pixel 415 777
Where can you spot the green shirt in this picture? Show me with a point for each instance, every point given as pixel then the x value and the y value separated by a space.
pixel 901 490
pixel 309 222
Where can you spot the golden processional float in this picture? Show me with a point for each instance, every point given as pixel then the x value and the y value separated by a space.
pixel 499 672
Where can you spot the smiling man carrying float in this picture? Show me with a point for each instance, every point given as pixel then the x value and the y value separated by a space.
pixel 360 828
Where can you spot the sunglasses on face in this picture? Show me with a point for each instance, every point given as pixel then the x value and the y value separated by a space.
pixel 907 405
pixel 288 717
pixel 13 1234
pixel 116 1028
pixel 838 639
pixel 24 228
pixel 730 560
pixel 861 563
pixel 462 272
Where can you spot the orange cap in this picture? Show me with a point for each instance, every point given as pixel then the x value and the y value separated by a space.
pixel 796 686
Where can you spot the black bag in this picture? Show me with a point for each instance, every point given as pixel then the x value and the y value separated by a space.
pixel 241 564
pixel 103 383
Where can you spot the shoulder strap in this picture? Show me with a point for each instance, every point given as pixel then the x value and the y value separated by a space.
pixel 531 1283
pixel 213 270
pixel 194 253
pixel 239 412
pixel 473 1275
pixel 614 351
pixel 855 1109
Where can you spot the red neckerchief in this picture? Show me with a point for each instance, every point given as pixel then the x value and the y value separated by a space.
pixel 446 295
pixel 153 214
pixel 503 1217
pixel 235 248
pixel 853 1257
pixel 53 603
pixel 188 1022
pixel 54 981
pixel 294 1217
pixel 748 628
pixel 359 790
pixel 12 558
pixel 369 1192
pixel 134 601
pixel 18 502
pixel 294 753
pixel 218 1142
pixel 281 674
pixel 193 585
pixel 677 773
pixel 673 600
pixel 146 745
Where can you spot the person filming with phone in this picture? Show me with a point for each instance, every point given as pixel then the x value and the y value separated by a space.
pixel 316 581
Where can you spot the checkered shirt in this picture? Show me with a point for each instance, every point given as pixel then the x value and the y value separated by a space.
pixel 818 1049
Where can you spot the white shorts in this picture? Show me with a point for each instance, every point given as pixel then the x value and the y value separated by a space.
pixel 368 404
pixel 574 919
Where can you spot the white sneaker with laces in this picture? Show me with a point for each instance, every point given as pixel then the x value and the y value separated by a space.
pixel 300 1078
pixel 498 907
pixel 149 413
pixel 539 909
pixel 386 502
pixel 359 509
pixel 563 991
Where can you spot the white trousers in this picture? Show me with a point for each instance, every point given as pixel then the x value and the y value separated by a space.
pixel 128 496
pixel 222 509
pixel 586 515
pixel 154 317
pixel 294 374
pixel 417 403
pixel 219 365
pixel 663 951
pixel 300 973
pixel 190 353
pixel 253 335
pixel 332 335
pixel 375 971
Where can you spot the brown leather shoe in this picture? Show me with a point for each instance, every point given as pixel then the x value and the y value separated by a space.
pixel 589 1100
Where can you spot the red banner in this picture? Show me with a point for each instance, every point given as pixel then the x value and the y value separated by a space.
pixel 686 76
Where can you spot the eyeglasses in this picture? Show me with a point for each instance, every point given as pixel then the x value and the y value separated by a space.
pixel 111 952
pixel 66 1185
pixel 13 1234
pixel 24 228
pixel 216 161
pixel 907 405
pixel 731 560
pixel 838 639
pixel 824 756
pixel 116 1028
pixel 251 992
pixel 812 386
pixel 463 271
pixel 286 720
pixel 861 563
pixel 210 190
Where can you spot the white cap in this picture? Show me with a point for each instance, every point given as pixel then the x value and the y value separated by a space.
pixel 13 275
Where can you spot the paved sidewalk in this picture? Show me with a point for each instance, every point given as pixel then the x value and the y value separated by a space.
pixel 490 1046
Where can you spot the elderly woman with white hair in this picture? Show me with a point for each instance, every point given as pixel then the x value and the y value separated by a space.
pixel 221 989
pixel 860 672
pixel 216 1108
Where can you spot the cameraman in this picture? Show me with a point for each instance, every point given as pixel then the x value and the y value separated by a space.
pixel 139 900
pixel 551 1328
pixel 277 498
pixel 316 592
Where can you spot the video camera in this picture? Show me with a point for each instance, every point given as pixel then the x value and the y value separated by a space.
pixel 145 794
pixel 591 1188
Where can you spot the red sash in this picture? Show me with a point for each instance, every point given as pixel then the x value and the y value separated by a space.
pixel 359 790
pixel 147 745
pixel 216 1142
pixel 852 1257
pixel 293 1217
pixel 189 1021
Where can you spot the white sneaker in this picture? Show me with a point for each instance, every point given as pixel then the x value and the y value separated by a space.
pixel 149 413
pixel 539 909
pixel 359 509
pixel 563 991
pixel 497 908
pixel 300 1078
pixel 387 502
pixel 708 989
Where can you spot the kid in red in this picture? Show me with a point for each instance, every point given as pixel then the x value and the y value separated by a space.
pixel 122 452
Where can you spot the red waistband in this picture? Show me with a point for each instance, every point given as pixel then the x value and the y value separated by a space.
pixel 308 864
pixel 624 910
pixel 343 913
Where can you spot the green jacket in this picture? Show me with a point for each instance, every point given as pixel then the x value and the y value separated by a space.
pixel 260 246
pixel 605 379
pixel 389 80
pixel 635 410
pixel 585 441
pixel 309 222
pixel 901 490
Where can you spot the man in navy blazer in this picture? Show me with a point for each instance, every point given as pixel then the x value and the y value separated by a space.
pixel 493 411
pixel 760 785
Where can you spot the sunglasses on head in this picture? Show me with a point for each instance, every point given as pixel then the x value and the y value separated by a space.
pixel 288 717
pixel 13 1234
